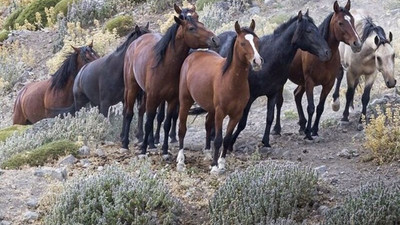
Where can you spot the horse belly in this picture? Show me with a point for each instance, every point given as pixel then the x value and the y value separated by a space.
pixel 32 102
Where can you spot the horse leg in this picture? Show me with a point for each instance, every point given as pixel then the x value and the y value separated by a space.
pixel 167 124
pixel 139 129
pixel 233 121
pixel 151 111
pixel 270 119
pixel 310 108
pixel 298 95
pixel 351 85
pixel 369 81
pixel 320 108
pixel 104 106
pixel 242 123
pixel 336 94
pixel 209 125
pixel 129 101
pixel 160 119
pixel 219 118
pixel 279 103
pixel 185 103
pixel 172 133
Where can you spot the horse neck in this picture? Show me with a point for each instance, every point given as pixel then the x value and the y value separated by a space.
pixel 238 70
pixel 285 40
pixel 333 43
pixel 177 53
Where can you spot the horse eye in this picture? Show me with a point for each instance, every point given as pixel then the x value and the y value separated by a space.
pixel 340 24
pixel 308 31
pixel 379 60
pixel 393 56
pixel 192 28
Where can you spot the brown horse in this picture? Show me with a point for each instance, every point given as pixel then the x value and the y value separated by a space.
pixel 152 63
pixel 37 99
pixel 307 71
pixel 220 86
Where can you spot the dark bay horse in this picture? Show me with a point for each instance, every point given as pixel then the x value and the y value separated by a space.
pixel 220 86
pixel 152 64
pixel 376 55
pixel 101 82
pixel 278 50
pixel 308 71
pixel 36 100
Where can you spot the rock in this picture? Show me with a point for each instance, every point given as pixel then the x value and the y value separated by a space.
pixel 100 153
pixel 68 160
pixel 323 209
pixel 123 151
pixel 84 151
pixel 55 173
pixel 1 172
pixel 5 222
pixel 348 154
pixel 320 170
pixel 85 163
pixel 32 203
pixel 31 216
pixel 254 10
pixel 100 168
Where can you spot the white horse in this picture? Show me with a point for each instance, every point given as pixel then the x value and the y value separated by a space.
pixel 377 55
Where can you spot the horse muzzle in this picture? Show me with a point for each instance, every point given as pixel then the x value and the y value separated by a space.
pixel 256 63
pixel 214 42
pixel 391 83
pixel 325 55
pixel 356 46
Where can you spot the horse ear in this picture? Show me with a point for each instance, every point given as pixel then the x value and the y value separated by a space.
pixel 137 28
pixel 75 49
pixel 390 36
pixel 376 40
pixel 252 25
pixel 347 7
pixel 178 20
pixel 91 44
pixel 307 13
pixel 299 16
pixel 177 9
pixel 147 25
pixel 336 7
pixel 237 27
pixel 194 8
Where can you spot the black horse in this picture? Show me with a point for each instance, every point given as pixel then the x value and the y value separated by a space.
pixel 278 50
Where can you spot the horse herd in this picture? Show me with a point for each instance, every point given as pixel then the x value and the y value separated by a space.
pixel 155 69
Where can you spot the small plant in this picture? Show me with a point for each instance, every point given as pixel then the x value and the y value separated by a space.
pixel 290 115
pixel 62 7
pixel 10 21
pixel 114 196
pixel 374 204
pixel 158 6
pixel 382 135
pixel 201 3
pixel 39 156
pixel 29 12
pixel 9 131
pixel 4 35
pixel 265 192
pixel 123 25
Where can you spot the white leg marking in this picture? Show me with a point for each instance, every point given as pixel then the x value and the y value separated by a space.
pixel 221 164
pixel 180 166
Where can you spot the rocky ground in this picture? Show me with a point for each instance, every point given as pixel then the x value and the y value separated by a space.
pixel 338 154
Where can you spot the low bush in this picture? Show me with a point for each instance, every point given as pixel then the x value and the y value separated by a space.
pixel 4 35
pixel 123 25
pixel 9 131
pixel 374 204
pixel 28 13
pixel 39 156
pixel 265 192
pixel 62 6
pixel 158 6
pixel 114 196
pixel 10 21
pixel 200 3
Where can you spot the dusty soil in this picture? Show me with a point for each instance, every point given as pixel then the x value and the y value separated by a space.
pixel 195 186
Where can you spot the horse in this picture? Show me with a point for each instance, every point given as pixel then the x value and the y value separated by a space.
pixel 220 86
pixel 307 71
pixel 101 82
pixel 376 55
pixel 152 64
pixel 278 50
pixel 37 100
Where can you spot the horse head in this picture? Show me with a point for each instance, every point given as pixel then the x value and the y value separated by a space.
pixel 384 59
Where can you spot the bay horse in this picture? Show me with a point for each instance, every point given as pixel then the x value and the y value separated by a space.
pixel 36 100
pixel 101 82
pixel 278 50
pixel 308 71
pixel 152 64
pixel 376 55
pixel 220 86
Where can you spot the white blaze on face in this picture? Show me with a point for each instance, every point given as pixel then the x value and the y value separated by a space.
pixel 257 57
pixel 348 19
pixel 189 14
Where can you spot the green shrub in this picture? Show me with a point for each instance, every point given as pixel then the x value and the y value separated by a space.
pixel 123 24
pixel 114 196
pixel 42 154
pixel 10 21
pixel 200 3
pixel 62 6
pixel 7 132
pixel 374 204
pixel 264 192
pixel 36 6
pixel 159 6
pixel 4 35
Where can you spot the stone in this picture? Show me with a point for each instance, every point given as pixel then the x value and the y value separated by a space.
pixel 32 203
pixel 348 154
pixel 100 168
pixel 320 170
pixel 100 153
pixel 254 10
pixel 55 173
pixel 5 222
pixel 123 151
pixel 85 163
pixel 68 160
pixel 84 151
pixel 323 209
pixel 1 172
pixel 31 216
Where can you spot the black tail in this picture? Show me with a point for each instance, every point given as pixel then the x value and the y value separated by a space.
pixel 197 111
pixel 139 98
pixel 62 111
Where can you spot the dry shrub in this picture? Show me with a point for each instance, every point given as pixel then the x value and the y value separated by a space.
pixel 263 25
pixel 382 134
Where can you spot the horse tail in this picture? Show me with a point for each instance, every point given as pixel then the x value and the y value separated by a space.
pixel 18 116
pixel 197 111
pixel 139 98
pixel 53 112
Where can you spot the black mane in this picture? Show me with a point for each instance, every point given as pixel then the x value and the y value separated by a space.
pixel 229 58
pixel 371 27
pixel 131 37
pixel 69 68
pixel 284 26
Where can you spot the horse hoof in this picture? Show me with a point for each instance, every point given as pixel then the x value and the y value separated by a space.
pixel 207 154
pixel 360 127
pixel 344 122
pixel 216 171
pixel 173 140
pixel 166 157
pixel 142 156
pixel 276 133
pixel 336 105
pixel 180 167
pixel 301 132
pixel 152 146
pixel 265 150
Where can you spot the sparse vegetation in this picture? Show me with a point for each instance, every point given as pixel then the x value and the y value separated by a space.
pixel 3 35
pixel 62 6
pixel 10 21
pixel 287 191
pixel 201 3
pixel 114 196
pixel 39 156
pixel 28 13
pixel 9 131
pixel 374 204
pixel 123 25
